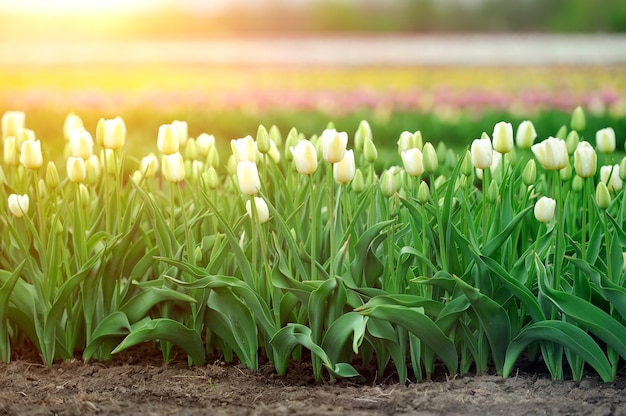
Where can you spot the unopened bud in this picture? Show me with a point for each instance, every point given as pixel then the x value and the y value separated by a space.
pixel 262 140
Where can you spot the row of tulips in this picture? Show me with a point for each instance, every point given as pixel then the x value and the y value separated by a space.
pixel 300 243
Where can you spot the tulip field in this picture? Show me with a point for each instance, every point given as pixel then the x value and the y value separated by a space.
pixel 281 245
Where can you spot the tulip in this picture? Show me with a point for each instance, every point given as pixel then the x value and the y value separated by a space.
pixel 572 141
pixel 23 134
pixel 167 139
pixel 622 169
pixel 429 156
pixel 244 149
pixel 191 150
pixel 423 193
pixel 10 151
pixel 81 143
pixel 262 140
pixel 262 211
pixel 31 156
pixel 369 151
pixel 52 176
pixel 363 132
pixel 76 169
pixel 305 157
pixel 544 209
pixel 605 140
pixel 213 158
pixel 72 122
pixel 578 119
pixel 551 153
pixel 333 145
pixel 275 135
pixel 358 182
pixel 406 141
pixel 344 170
pixel 525 135
pixel 529 175
pixel 203 143
pixel 173 167
pixel 94 168
pixel 11 121
pixel 275 153
pixel 388 183
pixel 585 160
pixel 149 165
pixel 503 137
pixel 18 204
pixel 248 178
pixel 210 178
pixel 413 161
pixel 609 175
pixel 182 129
pixel 114 134
pixel 603 197
pixel 482 153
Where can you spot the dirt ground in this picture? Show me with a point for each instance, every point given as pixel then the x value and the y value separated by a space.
pixel 138 383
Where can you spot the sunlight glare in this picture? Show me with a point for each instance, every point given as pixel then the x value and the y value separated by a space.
pixel 77 7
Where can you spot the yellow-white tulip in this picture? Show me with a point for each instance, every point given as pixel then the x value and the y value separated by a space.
pixel 551 153
pixel 18 204
pixel 305 157
pixel 585 160
pixel 203 143
pixel 72 122
pixel 31 156
pixel 503 137
pixel 413 161
pixel 244 149
pixel 544 209
pixel 167 140
pixel 183 131
pixel 76 169
pixel 525 135
pixel 262 211
pixel 333 145
pixel 605 140
pixel 344 170
pixel 248 178
pixel 609 175
pixel 11 121
pixel 10 151
pixel 81 143
pixel 482 153
pixel 149 165
pixel 173 167
pixel 114 134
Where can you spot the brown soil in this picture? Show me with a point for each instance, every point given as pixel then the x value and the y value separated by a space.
pixel 138 382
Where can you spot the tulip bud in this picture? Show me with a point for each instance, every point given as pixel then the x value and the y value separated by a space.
pixel 577 183
pixel 291 141
pixel 525 135
pixel 467 165
pixel 18 204
pixel 76 169
pixel 578 119
pixel 107 160
pixel 23 134
pixel 622 169
pixel 369 151
pixel 183 131
pixel 31 156
pixel 503 137
pixel 93 169
pixel 344 170
pixel 423 193
pixel 114 134
pixel 244 149
pixel 605 140
pixel 333 145
pixel 358 182
pixel 585 160
pixel 275 153
pixel 482 153
pixel 388 185
pixel 210 178
pixel 72 122
pixel 11 121
pixel 149 165
pixel 305 157
pixel 406 141
pixel 529 176
pixel 417 140
pixel 173 168
pixel 544 209
pixel 81 143
pixel 561 133
pixel 551 153
pixel 137 176
pixel 191 151
pixel 52 176
pixel 363 132
pixel 492 192
pixel 609 175
pixel 413 162
pixel 85 198
pixel 566 173
pixel 203 143
pixel 248 178
pixel 262 211
pixel 429 156
pixel 167 140
pixel 572 141
pixel 442 151
pixel 275 135
pixel 213 158
pixel 10 151
pixel 231 165
pixel 603 197
pixel 262 139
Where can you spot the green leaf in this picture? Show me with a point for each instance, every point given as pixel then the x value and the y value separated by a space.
pixel 8 281
pixel 111 327
pixel 139 305
pixel 416 322
pixel 340 330
pixel 496 242
pixel 565 334
pixel 164 329
pixel 493 320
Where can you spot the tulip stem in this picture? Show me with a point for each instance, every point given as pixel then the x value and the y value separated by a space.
pixel 107 206
pixel 191 253
pixel 313 207
pixel 331 218
pixel 558 256
pixel 486 183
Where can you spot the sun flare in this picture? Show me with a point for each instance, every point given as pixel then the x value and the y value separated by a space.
pixel 77 7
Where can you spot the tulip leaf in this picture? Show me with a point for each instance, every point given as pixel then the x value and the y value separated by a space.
pixel 111 327
pixel 339 331
pixel 565 334
pixel 498 241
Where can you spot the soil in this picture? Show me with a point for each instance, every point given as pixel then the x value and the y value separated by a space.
pixel 137 382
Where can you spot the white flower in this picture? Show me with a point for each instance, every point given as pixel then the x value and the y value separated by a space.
pixel 31 156
pixel 305 157
pixel 167 140
pixel 18 204
pixel 344 170
pixel 76 169
pixel 173 167
pixel 114 133
pixel 605 140
pixel 262 211
pixel 248 178
pixel 551 153
pixel 413 161
pixel 525 135
pixel 482 153
pixel 609 175
pixel 544 209
pixel 333 145
pixel 503 137
pixel 244 149
pixel 81 143
pixel 585 160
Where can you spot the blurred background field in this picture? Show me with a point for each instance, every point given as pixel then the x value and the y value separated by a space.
pixel 451 69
